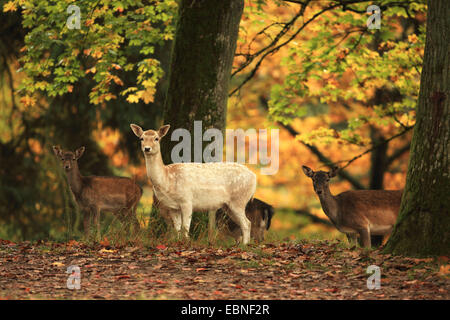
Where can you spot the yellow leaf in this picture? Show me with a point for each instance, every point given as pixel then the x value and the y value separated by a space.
pixel 148 95
pixel 92 70
pixel 133 98
pixel 9 6
pixel 57 264
pixel 106 251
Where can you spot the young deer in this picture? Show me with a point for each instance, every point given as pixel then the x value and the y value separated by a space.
pixel 185 187
pixel 357 212
pixel 258 212
pixel 94 194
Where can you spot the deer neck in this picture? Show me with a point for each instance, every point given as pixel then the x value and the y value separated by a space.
pixel 329 205
pixel 74 179
pixel 156 171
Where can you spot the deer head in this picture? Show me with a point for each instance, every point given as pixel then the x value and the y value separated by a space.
pixel 150 139
pixel 68 158
pixel 321 179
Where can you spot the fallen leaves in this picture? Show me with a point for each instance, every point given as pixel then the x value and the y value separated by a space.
pixel 306 270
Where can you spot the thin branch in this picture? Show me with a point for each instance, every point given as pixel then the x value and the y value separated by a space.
pixel 373 148
pixel 325 160
pixel 397 153
pixel 286 28
pixel 313 217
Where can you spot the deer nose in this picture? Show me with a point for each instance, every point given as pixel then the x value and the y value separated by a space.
pixel 147 149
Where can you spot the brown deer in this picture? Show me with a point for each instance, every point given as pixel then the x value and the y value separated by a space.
pixel 94 194
pixel 357 212
pixel 258 212
pixel 186 187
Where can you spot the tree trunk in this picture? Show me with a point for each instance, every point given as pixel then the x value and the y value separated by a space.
pixel 423 225
pixel 377 160
pixel 202 58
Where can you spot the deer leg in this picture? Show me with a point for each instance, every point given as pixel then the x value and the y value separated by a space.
pixel 186 217
pixel 175 216
pixel 137 226
pixel 167 217
pixel 352 238
pixel 86 223
pixel 96 212
pixel 364 235
pixel 238 216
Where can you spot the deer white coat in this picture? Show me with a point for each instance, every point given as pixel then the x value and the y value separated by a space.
pixel 186 187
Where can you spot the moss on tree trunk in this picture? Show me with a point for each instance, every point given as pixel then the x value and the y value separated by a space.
pixel 423 224
pixel 202 58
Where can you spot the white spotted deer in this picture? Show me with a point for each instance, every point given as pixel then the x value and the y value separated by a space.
pixel 94 194
pixel 182 188
pixel 357 212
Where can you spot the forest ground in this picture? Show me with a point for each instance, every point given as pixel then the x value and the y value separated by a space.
pixel 293 270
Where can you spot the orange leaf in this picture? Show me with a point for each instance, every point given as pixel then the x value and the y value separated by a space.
pixel 104 242
pixel 444 270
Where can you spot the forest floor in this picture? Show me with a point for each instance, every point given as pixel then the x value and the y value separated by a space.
pixel 293 270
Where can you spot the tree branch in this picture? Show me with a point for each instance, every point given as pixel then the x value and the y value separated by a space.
pixel 397 153
pixel 313 217
pixel 374 147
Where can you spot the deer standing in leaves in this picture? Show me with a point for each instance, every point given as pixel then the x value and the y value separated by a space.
pixel 182 188
pixel 94 194
pixel 357 212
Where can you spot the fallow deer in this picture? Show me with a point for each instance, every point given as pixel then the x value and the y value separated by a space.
pixel 186 187
pixel 258 212
pixel 357 212
pixel 94 194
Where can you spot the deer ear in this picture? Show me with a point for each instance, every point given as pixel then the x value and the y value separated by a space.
pixel 333 172
pixel 137 130
pixel 79 153
pixel 163 130
pixel 57 151
pixel 308 172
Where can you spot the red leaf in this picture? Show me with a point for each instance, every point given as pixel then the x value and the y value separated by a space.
pixel 161 247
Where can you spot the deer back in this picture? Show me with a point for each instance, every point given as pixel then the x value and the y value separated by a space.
pixel 111 193
pixel 207 185
pixel 376 207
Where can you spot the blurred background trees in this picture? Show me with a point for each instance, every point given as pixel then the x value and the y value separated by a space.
pixel 342 94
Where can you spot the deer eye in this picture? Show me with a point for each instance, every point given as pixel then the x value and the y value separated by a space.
pixel 142 139
pixel 156 139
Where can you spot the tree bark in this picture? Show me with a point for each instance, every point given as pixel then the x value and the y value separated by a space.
pixel 423 224
pixel 378 159
pixel 202 58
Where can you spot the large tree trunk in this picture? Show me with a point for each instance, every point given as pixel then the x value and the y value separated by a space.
pixel 423 225
pixel 202 58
